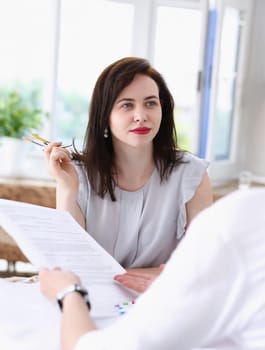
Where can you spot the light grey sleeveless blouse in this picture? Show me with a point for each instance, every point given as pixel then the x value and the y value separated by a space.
pixel 142 228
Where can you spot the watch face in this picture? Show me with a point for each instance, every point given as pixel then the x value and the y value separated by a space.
pixel 81 290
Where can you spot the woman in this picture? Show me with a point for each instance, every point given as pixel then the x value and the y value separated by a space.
pixel 132 188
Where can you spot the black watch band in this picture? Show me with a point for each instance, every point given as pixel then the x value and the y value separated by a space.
pixel 73 288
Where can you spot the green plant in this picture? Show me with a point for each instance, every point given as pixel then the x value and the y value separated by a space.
pixel 18 115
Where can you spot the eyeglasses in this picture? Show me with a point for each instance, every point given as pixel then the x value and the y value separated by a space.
pixel 39 140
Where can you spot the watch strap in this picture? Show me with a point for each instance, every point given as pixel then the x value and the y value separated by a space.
pixel 70 289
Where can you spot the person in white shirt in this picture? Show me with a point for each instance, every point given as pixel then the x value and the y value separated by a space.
pixel 210 295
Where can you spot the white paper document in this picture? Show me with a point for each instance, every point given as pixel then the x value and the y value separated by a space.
pixel 52 238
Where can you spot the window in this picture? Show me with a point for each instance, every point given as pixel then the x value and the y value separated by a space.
pixel 228 73
pixel 177 54
pixel 227 83
pixel 92 35
pixel 26 47
pixel 55 49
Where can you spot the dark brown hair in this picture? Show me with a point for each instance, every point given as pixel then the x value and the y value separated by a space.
pixel 98 156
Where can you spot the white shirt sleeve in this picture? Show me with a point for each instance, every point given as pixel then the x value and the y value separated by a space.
pixel 194 302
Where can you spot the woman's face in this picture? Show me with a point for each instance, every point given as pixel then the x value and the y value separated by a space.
pixel 136 114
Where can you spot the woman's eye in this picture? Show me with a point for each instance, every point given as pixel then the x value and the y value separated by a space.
pixel 126 105
pixel 151 103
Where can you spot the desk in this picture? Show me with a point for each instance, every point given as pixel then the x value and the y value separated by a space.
pixel 224 189
pixel 229 187
pixel 29 191
pixel 9 250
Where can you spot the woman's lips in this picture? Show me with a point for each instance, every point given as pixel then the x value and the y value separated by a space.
pixel 141 131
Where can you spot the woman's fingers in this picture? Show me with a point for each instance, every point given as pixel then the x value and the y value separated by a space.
pixel 53 152
pixel 48 149
pixel 161 267
pixel 60 155
pixel 58 160
pixel 136 281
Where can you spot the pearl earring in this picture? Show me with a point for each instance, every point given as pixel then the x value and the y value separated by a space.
pixel 106 133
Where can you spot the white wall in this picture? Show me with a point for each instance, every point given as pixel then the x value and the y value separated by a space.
pixel 252 154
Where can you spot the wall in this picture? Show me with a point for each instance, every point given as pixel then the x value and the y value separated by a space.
pixel 253 133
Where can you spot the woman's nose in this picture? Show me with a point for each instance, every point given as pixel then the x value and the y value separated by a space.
pixel 139 115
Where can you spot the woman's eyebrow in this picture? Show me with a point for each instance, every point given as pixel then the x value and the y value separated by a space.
pixel 124 99
pixel 128 99
pixel 151 97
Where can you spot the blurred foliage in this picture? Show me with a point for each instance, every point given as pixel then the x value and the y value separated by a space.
pixel 19 110
pixel 183 128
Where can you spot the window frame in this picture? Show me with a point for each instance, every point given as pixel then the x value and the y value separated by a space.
pixel 221 171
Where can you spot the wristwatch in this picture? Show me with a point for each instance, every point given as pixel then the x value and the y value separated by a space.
pixel 73 288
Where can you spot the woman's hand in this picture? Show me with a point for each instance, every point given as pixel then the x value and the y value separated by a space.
pixel 63 171
pixel 60 167
pixel 139 279
pixel 54 281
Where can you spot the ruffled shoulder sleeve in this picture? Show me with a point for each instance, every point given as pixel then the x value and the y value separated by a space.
pixel 192 173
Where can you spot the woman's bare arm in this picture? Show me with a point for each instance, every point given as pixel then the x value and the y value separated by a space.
pixel 202 199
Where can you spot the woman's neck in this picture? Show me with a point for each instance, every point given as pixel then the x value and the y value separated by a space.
pixel 134 167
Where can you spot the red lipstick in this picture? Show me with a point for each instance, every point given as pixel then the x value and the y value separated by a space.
pixel 141 131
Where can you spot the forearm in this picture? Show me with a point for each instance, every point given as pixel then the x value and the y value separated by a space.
pixel 76 320
pixel 67 200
